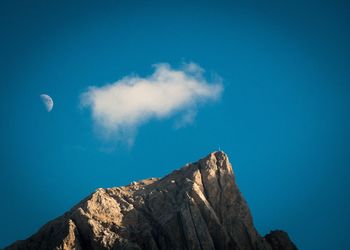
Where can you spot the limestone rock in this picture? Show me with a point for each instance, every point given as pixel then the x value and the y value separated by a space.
pixel 196 207
pixel 279 240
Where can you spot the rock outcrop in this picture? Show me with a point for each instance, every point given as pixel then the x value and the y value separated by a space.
pixel 196 207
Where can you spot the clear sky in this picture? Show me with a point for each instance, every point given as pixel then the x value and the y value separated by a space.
pixel 280 108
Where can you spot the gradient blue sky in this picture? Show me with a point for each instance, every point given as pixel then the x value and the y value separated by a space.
pixel 283 117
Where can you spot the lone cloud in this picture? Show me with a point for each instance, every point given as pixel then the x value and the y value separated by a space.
pixel 118 109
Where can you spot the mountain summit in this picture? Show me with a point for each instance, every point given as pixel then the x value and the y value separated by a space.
pixel 196 207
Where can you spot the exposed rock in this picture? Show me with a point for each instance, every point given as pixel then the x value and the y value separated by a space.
pixel 196 207
pixel 279 240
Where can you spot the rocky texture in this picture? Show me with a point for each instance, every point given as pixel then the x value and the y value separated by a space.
pixel 279 240
pixel 196 207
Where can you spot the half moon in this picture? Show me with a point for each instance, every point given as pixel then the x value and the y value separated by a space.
pixel 47 101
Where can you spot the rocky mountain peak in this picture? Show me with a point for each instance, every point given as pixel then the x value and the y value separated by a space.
pixel 196 207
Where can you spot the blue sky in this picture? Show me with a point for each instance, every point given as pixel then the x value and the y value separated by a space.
pixel 282 116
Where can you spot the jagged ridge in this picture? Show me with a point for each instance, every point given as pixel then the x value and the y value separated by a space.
pixel 196 207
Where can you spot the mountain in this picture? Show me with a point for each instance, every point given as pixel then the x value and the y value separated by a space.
pixel 196 207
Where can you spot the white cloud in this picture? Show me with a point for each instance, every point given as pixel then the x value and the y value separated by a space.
pixel 118 109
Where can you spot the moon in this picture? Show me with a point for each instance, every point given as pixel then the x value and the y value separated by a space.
pixel 47 101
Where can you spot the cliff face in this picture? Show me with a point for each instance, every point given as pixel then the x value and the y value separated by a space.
pixel 196 207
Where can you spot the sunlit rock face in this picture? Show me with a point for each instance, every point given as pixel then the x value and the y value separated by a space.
pixel 196 207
